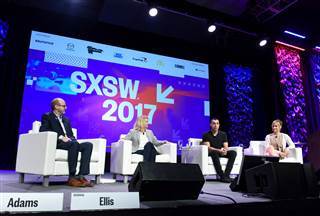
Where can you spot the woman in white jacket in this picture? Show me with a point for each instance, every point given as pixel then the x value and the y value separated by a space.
pixel 278 143
pixel 144 142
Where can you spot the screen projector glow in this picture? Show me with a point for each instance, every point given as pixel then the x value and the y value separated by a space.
pixel 107 87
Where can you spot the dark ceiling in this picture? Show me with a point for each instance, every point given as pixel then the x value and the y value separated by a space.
pixel 188 19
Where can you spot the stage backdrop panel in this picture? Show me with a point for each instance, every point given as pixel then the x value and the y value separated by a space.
pixel 107 87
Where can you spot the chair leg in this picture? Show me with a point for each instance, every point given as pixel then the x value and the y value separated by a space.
pixel 45 182
pixel 21 177
pixel 114 176
pixel 98 179
pixel 125 179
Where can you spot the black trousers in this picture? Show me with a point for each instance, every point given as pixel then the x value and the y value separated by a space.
pixel 149 152
pixel 231 155
pixel 73 148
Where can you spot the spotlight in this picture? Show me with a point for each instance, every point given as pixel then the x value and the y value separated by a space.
pixel 263 42
pixel 153 12
pixel 212 28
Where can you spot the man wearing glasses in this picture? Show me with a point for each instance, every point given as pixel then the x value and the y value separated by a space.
pixel 57 122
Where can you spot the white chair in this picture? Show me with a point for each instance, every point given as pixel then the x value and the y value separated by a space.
pixel 255 148
pixel 198 154
pixel 37 154
pixel 123 162
pixel 259 148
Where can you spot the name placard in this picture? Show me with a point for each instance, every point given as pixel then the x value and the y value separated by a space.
pixel 112 200
pixel 31 202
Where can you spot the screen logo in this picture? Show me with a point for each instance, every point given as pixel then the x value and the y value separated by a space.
pixel 118 55
pixel 70 46
pixel 199 70
pixel 140 59
pixel 44 42
pixel 179 66
pixel 91 50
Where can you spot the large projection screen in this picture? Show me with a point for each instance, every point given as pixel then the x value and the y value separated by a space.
pixel 107 87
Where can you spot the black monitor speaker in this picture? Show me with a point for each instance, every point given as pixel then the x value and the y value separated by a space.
pixel 167 181
pixel 249 161
pixel 282 180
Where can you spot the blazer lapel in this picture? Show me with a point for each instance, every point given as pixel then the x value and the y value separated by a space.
pixel 284 143
pixel 149 136
pixel 56 120
pixel 138 137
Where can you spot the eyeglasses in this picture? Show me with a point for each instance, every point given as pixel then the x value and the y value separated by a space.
pixel 62 105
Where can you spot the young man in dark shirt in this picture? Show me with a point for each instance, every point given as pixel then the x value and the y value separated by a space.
pixel 217 143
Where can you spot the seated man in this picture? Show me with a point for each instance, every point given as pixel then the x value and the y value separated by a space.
pixel 217 143
pixel 57 122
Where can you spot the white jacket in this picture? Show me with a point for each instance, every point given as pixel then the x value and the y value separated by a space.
pixel 286 140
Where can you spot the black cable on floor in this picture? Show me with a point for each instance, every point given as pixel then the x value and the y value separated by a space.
pixel 203 192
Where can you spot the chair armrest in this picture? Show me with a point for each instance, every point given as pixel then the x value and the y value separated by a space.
pixel 256 149
pixel 248 151
pixel 121 157
pixel 36 153
pixel 75 132
pixel 169 148
pixel 239 151
pixel 99 146
pixel 296 153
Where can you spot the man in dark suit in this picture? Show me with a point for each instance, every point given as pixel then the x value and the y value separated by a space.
pixel 57 122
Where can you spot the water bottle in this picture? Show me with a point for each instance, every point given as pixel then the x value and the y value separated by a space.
pixel 180 143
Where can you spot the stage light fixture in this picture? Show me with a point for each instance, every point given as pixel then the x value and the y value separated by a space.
pixel 289 45
pixel 153 11
pixel 263 42
pixel 212 28
pixel 294 34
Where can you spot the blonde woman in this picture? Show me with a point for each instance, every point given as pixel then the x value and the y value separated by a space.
pixel 143 140
pixel 277 143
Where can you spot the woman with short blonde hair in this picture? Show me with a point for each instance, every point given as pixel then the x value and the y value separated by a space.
pixel 141 123
pixel 277 143
pixel 144 142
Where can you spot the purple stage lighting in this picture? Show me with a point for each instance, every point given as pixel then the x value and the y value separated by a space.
pixel 4 26
pixel 240 104
pixel 291 82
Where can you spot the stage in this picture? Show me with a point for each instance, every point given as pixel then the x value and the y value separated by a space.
pixel 33 183
pixel 9 183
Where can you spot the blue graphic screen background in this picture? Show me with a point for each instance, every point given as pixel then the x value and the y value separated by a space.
pixel 107 87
